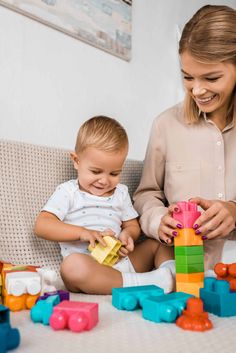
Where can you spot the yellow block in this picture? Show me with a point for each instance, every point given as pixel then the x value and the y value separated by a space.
pixel 187 237
pixel 107 255
pixel 190 288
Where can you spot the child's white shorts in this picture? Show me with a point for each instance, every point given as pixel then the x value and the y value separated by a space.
pixel 124 265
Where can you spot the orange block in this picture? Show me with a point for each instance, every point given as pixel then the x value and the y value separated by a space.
pixel 24 301
pixel 187 237
pixel 190 277
pixel 190 288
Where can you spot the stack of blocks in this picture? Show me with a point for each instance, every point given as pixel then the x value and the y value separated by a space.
pixel 189 256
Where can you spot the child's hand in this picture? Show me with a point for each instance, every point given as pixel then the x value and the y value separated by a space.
pixel 127 244
pixel 218 220
pixel 167 228
pixel 93 236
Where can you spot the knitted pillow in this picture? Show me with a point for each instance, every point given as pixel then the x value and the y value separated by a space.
pixel 29 174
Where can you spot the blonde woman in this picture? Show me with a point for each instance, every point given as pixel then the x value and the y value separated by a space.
pixel 192 147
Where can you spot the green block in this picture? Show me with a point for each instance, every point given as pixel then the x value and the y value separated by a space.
pixel 189 268
pixel 189 250
pixel 188 260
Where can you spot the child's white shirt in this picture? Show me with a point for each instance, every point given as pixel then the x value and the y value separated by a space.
pixel 74 206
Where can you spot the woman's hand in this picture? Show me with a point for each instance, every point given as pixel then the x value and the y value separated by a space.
pixel 218 220
pixel 167 228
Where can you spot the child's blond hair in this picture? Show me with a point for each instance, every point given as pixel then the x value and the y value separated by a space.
pixel 103 133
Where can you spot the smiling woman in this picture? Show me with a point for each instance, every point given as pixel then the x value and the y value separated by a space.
pixel 191 151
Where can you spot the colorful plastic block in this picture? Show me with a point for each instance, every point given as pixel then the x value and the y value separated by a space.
pixel 107 255
pixel 217 297
pixel 187 237
pixel 42 311
pixel 63 295
pixel 190 277
pixel 48 279
pixel 189 250
pixel 188 213
pixel 77 316
pixel 131 298
pixel 189 287
pixel 227 272
pixel 189 268
pixel 165 308
pixel 193 317
pixel 9 337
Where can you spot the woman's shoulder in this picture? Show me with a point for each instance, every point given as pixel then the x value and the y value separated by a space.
pixel 174 113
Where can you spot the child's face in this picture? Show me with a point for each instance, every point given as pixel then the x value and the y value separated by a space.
pixel 210 84
pixel 99 171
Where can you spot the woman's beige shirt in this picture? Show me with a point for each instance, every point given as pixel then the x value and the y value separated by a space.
pixel 185 160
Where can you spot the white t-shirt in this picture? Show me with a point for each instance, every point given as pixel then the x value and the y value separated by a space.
pixel 74 206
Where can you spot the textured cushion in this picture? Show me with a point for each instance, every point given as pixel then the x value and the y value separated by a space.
pixel 28 176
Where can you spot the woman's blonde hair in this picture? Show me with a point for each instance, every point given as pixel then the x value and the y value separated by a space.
pixel 102 132
pixel 210 37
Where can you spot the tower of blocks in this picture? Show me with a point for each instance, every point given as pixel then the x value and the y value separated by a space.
pixel 189 256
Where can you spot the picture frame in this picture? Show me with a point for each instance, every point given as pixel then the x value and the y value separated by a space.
pixel 104 24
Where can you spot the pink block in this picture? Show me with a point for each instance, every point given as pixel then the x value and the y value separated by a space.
pixel 188 213
pixel 77 316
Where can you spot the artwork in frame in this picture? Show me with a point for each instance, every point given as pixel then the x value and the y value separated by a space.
pixel 105 24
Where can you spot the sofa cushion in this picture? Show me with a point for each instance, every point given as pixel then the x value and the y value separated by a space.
pixel 29 174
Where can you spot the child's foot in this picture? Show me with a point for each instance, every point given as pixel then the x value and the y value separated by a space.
pixel 162 277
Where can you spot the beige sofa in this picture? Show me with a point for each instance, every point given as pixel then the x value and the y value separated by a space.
pixel 29 174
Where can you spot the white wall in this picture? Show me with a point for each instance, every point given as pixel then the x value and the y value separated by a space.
pixel 50 83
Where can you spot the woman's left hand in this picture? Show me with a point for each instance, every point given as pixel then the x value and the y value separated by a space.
pixel 218 220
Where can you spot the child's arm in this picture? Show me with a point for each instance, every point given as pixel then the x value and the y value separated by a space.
pixel 48 226
pixel 129 234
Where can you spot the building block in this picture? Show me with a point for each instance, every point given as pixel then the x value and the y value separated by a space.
pixel 227 272
pixel 187 237
pixel 9 337
pixel 189 287
pixel 48 279
pixel 217 297
pixel 189 260
pixel 21 282
pixel 42 310
pixel 63 295
pixel 131 298
pixel 188 213
pixel 190 277
pixel 193 317
pixel 189 250
pixel 165 308
pixel 107 255
pixel 77 316
pixel 189 268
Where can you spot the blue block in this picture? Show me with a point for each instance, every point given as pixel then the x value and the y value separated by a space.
pixel 42 310
pixel 165 308
pixel 131 298
pixel 217 297
pixel 9 337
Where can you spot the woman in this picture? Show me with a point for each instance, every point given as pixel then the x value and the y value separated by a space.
pixel 192 147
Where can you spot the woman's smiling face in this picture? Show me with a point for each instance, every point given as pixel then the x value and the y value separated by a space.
pixel 209 84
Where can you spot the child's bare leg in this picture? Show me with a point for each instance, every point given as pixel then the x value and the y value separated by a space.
pixel 150 254
pixel 80 272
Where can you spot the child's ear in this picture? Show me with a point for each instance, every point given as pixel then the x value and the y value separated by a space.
pixel 74 159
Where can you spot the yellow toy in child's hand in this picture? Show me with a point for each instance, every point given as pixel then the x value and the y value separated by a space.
pixel 107 255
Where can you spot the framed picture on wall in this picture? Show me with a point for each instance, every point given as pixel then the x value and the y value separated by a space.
pixel 105 24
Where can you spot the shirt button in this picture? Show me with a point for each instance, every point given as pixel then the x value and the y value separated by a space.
pixel 219 167
pixel 220 195
pixel 218 143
